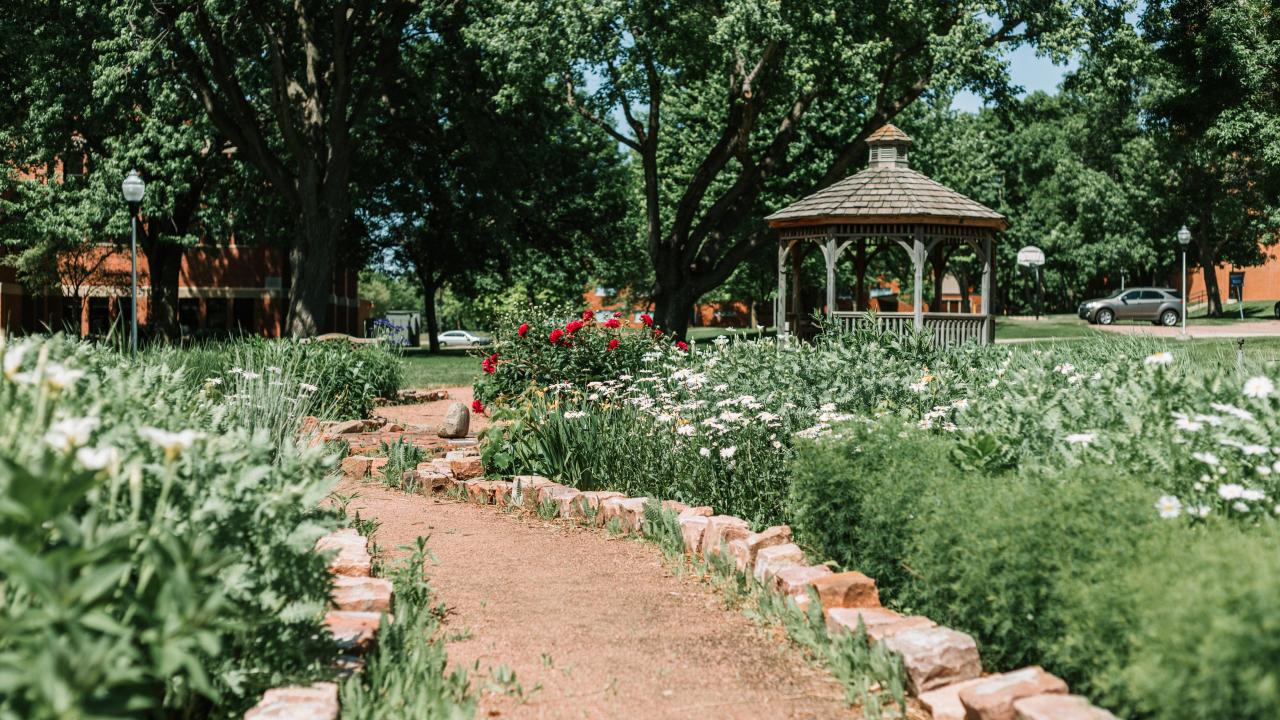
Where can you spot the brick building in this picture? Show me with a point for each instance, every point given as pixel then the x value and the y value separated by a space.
pixel 222 289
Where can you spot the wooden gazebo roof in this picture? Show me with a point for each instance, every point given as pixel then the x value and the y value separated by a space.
pixel 888 191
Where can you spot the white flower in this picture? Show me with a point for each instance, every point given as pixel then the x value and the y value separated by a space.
pixel 961 404
pixel 1252 495
pixel 70 433
pixel 686 430
pixel 1232 410
pixel 173 443
pixel 1263 470
pixel 1240 507
pixel 1199 510
pixel 248 375
pixel 721 340
pixel 704 452
pixel 213 381
pixel 729 416
pixel 1169 506
pixel 1082 438
pixel 97 458
pixel 726 453
pixel 993 383
pixel 1230 491
pixel 827 408
pixel 1207 458
pixel 1160 358
pixel 777 444
pixel 1259 387
pixel 274 369
pixel 13 360
pixel 1254 449
pixel 574 414
pixel 308 387
pixel 1183 422
pixel 720 387
pixel 59 377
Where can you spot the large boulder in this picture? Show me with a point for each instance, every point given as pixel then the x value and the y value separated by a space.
pixel 457 421
pixel 935 657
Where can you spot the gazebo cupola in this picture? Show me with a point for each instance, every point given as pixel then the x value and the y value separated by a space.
pixel 887 203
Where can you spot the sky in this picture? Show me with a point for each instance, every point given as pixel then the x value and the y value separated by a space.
pixel 1026 70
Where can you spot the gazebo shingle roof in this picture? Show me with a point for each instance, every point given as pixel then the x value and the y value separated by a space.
pixel 887 191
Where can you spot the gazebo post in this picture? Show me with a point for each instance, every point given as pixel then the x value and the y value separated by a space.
pixel 917 291
pixel 829 251
pixel 988 264
pixel 780 308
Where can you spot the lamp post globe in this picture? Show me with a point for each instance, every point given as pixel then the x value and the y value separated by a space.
pixel 133 189
pixel 1184 238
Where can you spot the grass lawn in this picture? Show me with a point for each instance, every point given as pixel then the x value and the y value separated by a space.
pixel 1048 326
pixel 448 368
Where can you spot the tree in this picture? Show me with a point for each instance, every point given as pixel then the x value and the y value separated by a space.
pixel 486 199
pixel 289 84
pixel 1215 116
pixel 725 104
pixel 79 133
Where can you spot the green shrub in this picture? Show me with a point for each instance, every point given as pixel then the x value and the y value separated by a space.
pixel 345 376
pixel 854 499
pixel 540 346
pixel 1206 638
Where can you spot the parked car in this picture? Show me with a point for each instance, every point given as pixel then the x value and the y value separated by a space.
pixel 462 338
pixel 1162 306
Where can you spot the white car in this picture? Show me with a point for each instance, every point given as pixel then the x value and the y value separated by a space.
pixel 462 338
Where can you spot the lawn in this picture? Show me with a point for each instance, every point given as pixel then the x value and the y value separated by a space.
pixel 448 368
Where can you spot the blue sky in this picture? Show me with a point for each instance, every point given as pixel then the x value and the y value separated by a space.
pixel 1026 70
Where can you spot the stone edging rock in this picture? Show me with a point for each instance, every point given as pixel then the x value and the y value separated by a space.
pixel 359 602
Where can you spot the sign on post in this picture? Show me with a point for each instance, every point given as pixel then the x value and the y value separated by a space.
pixel 1235 286
pixel 1033 257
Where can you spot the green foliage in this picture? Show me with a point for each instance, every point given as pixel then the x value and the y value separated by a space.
pixel 157 550
pixel 1206 640
pixel 406 675
pixel 343 377
pixel 402 457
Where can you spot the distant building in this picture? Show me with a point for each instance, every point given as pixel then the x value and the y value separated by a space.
pixel 222 289
pixel 1261 282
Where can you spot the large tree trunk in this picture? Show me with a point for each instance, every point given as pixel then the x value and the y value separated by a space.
pixel 429 310
pixel 311 259
pixel 164 260
pixel 672 306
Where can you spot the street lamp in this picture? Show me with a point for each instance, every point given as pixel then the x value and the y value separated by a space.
pixel 133 189
pixel 1184 237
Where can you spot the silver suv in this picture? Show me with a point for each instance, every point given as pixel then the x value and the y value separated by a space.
pixel 1162 306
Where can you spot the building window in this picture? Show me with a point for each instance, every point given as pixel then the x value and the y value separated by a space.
pixel 243 310
pixel 189 314
pixel 215 313
pixel 99 315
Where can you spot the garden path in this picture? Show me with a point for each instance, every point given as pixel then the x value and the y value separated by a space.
pixel 598 625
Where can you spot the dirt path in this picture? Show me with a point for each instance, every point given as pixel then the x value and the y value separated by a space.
pixel 597 622
pixel 428 416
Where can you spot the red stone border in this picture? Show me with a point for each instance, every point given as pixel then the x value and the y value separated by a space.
pixel 359 604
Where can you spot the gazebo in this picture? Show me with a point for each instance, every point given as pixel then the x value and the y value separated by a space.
pixel 886 202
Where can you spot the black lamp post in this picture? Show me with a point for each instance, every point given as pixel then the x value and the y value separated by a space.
pixel 133 189
pixel 1184 237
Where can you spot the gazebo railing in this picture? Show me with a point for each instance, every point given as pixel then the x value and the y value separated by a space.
pixel 948 328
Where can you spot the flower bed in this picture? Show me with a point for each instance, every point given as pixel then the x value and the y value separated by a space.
pixel 1040 500
pixel 158 521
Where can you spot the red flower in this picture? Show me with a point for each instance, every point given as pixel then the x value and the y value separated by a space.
pixel 613 344
pixel 612 323
pixel 490 364
pixel 556 336
pixel 573 327
pixel 477 407
pixel 682 345
pixel 657 332
pixel 648 321
pixel 588 316
pixel 524 329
